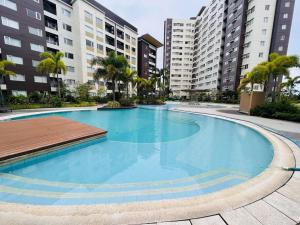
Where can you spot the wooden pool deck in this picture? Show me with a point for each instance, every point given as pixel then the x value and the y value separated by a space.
pixel 23 137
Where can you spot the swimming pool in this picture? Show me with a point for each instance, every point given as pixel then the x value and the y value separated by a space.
pixel 148 154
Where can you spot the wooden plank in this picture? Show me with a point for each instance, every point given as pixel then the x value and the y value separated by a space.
pixel 22 137
pixel 239 217
pixel 212 220
pixel 268 215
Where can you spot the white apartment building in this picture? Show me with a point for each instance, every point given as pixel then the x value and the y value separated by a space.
pixel 180 43
pixel 231 37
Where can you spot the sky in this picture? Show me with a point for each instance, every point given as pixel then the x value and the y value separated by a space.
pixel 149 16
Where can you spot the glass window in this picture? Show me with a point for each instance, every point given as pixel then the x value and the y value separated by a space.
pixel 15 59
pixel 67 27
pixel 99 21
pixel 89 56
pixel 89 43
pixel 283 27
pixel 35 31
pixel 33 14
pixel 89 29
pixel 66 12
pixel 12 41
pixel 287 4
pixel 35 63
pixel 17 77
pixel 40 79
pixel 18 93
pixel 68 41
pixel 88 15
pixel 10 23
pixel 71 69
pixel 37 48
pixel 69 55
pixel 9 4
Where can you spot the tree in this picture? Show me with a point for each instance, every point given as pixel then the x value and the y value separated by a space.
pixel 110 68
pixel 290 84
pixel 279 65
pixel 165 81
pixel 128 76
pixel 145 87
pixel 4 72
pixel 83 91
pixel 52 63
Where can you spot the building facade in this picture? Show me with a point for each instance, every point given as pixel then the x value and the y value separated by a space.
pixel 178 54
pixel 82 29
pixel 230 38
pixel 147 55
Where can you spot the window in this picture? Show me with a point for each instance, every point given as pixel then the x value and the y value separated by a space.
pixel 33 14
pixel 71 69
pixel 69 55
pixel 99 34
pixel 89 56
pixel 99 22
pixel 15 59
pixel 88 15
pixel 89 29
pixel 280 48
pixel 37 48
pixel 17 77
pixel 261 54
pixel 89 43
pixel 9 4
pixel 40 79
pixel 35 31
pixel 264 31
pixel 12 41
pixel 10 23
pixel 66 13
pixel 266 19
pixel 37 1
pixel 282 38
pixel 267 7
pixel 67 27
pixel 18 93
pixel 285 16
pixel 68 41
pixel 283 27
pixel 100 47
pixel 262 43
pixel 35 63
pixel 287 4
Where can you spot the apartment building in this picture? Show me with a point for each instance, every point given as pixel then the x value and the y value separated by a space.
pixel 147 55
pixel 230 38
pixel 178 54
pixel 22 39
pixel 82 29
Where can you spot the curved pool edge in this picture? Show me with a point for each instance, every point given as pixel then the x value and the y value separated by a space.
pixel 168 210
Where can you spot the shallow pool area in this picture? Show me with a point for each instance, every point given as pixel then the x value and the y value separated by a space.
pixel 148 154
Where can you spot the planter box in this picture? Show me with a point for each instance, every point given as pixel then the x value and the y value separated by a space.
pixel 251 100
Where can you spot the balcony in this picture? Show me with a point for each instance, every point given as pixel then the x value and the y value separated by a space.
pixel 51 23
pixel 52 39
pixel 109 40
pixel 49 7
pixel 120 34
pixel 109 28
pixel 120 45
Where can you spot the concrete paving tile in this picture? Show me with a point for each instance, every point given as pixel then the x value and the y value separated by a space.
pixel 285 205
pixel 291 190
pixel 239 216
pixel 212 220
pixel 267 214
pixel 186 222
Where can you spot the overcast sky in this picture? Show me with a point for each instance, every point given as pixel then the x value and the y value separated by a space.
pixel 149 15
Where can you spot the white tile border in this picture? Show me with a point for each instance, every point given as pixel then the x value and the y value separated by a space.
pixel 166 210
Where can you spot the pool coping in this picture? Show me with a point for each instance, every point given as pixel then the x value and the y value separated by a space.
pixel 170 210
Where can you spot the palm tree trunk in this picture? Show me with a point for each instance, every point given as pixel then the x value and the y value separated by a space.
pixel 1 94
pixel 127 91
pixel 58 85
pixel 113 89
pixel 275 90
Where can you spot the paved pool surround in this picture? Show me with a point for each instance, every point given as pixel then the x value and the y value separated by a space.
pixel 165 210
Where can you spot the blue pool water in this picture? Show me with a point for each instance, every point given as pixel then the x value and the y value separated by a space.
pixel 148 154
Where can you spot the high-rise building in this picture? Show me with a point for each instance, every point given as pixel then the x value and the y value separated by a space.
pixel 178 54
pixel 230 38
pixel 82 29
pixel 147 55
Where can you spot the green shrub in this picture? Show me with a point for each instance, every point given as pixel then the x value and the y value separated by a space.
pixel 18 100
pixel 113 104
pixel 269 109
pixel 287 116
pixel 56 101
pixel 127 102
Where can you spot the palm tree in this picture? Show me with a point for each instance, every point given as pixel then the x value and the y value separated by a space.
pixel 145 87
pixel 290 84
pixel 279 65
pixel 165 80
pixel 128 76
pixel 110 68
pixel 4 72
pixel 52 63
